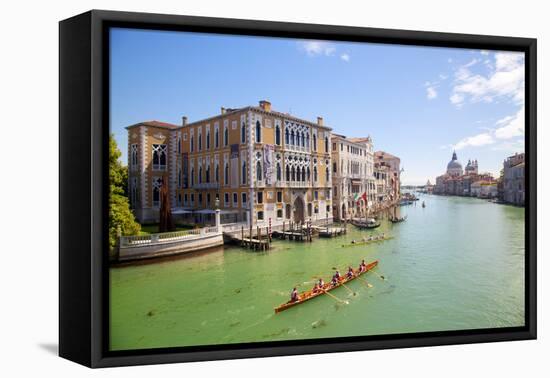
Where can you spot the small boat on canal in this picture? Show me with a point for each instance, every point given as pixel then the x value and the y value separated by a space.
pixel 368 224
pixel 369 240
pixel 398 220
pixel 310 294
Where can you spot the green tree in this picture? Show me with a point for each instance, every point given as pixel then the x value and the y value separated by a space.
pixel 120 216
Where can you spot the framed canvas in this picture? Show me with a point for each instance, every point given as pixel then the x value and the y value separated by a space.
pixel 236 188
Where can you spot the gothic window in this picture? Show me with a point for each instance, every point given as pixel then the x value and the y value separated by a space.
pixel 217 138
pixel 328 174
pixel 159 157
pixel 292 137
pixel 258 171
pixel 303 174
pixel 308 173
pixel 287 173
pixel 217 173
pixel 277 135
pixel 303 140
pixel 208 173
pixel 326 144
pixel 307 140
pixel 315 174
pixel 200 142
pixel 200 175
pixel 293 171
pixel 134 156
pixel 278 171
pixel 192 143
pixel 258 132
pixel 208 140
pixel 157 184
pixel 226 136
pixel 243 173
pixel 192 176
pixel 226 174
pixel 286 137
pixel 243 133
pixel 314 142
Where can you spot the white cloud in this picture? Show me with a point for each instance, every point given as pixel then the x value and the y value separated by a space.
pixel 511 126
pixel 479 140
pixel 484 52
pixel 313 48
pixel 345 57
pixel 431 93
pixel 505 81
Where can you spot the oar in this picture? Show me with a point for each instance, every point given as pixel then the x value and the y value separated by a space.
pixel 335 297
pixel 351 291
pixel 379 276
pixel 367 282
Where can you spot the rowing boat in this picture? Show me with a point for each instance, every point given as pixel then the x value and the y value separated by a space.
pixel 310 294
pixel 364 242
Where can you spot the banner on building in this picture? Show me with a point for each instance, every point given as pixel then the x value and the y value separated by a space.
pixel 268 163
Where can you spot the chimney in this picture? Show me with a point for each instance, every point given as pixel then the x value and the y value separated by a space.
pixel 265 105
pixel 222 110
pixel 183 120
pixel 320 121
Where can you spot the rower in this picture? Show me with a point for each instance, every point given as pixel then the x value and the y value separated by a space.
pixel 362 266
pixel 294 295
pixel 335 279
pixel 350 272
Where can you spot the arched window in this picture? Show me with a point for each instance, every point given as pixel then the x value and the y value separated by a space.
pixel 258 132
pixel 308 173
pixel 157 183
pixel 258 171
pixel 208 140
pixel 278 171
pixel 298 137
pixel 243 133
pixel 315 174
pixel 217 138
pixel 326 144
pixel 303 174
pixel 226 136
pixel 226 174
pixel 200 142
pixel 192 143
pixel 292 137
pixel 303 139
pixel 307 141
pixel 277 135
pixel 314 142
pixel 286 137
pixel 159 157
pixel 217 173
pixel 200 175
pixel 287 173
pixel 208 173
pixel 293 173
pixel 179 178
pixel 192 176
pixel 243 173
pixel 328 174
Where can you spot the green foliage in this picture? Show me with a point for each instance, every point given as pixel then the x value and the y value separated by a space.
pixel 121 217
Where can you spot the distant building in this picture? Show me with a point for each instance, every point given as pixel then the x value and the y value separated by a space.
pixel 459 182
pixel 353 176
pixel 513 185
pixel 387 172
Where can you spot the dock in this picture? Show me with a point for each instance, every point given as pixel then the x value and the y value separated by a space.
pixel 296 232
pixel 246 239
pixel 330 232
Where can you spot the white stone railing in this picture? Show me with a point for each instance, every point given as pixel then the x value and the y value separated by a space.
pixel 166 237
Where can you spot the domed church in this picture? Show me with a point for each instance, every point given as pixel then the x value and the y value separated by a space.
pixel 454 168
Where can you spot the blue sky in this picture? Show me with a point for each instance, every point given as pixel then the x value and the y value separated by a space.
pixel 418 103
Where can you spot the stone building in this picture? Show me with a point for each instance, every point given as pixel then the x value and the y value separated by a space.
pixel 387 173
pixel 353 181
pixel 513 189
pixel 456 181
pixel 261 165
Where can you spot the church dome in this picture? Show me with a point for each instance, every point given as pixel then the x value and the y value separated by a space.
pixel 454 166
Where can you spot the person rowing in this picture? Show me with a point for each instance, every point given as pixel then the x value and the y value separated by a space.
pixel 362 266
pixel 350 273
pixel 319 285
pixel 335 278
pixel 294 295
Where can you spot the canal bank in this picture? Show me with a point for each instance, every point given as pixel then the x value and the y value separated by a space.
pixel 456 264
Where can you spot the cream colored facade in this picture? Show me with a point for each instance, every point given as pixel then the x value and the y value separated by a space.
pixel 262 165
pixel 353 170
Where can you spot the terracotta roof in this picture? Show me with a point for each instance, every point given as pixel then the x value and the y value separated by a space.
pixel 360 139
pixel 384 155
pixel 154 123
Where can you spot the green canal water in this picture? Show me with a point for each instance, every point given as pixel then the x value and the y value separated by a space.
pixel 456 264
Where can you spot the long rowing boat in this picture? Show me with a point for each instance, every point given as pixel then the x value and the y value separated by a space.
pixel 310 294
pixel 367 241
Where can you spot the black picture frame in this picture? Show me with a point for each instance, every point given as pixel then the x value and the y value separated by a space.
pixel 83 182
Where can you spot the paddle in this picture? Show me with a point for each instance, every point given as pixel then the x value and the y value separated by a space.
pixel 379 276
pixel 335 297
pixel 351 291
pixel 367 282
